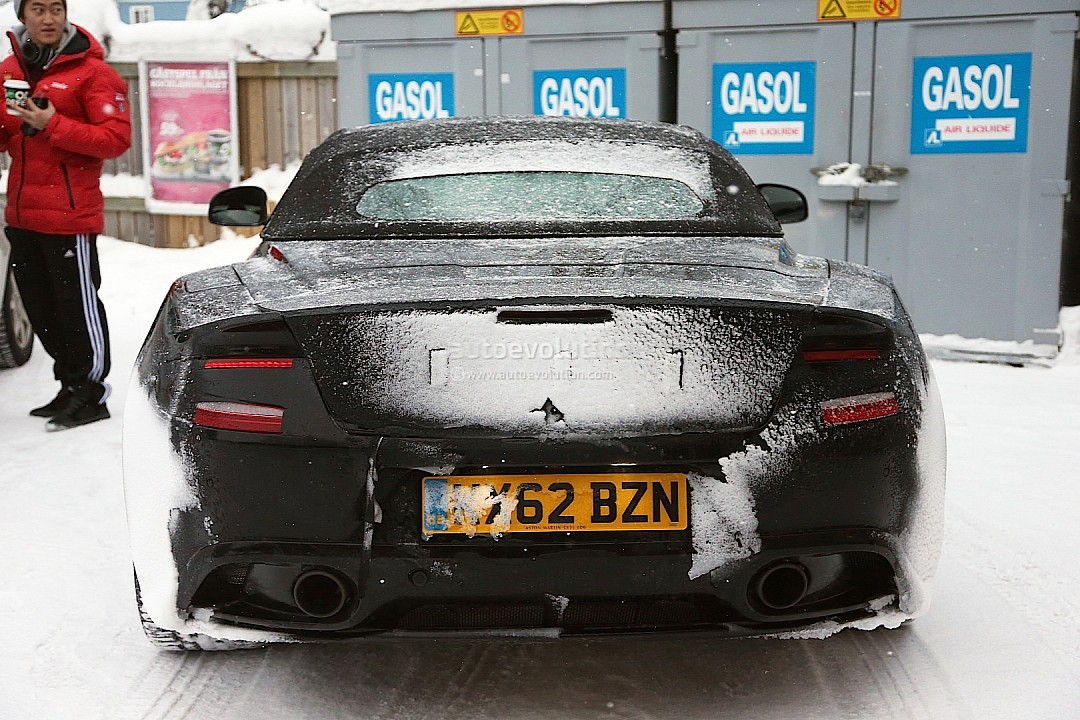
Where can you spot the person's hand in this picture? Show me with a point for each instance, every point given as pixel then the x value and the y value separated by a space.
pixel 33 115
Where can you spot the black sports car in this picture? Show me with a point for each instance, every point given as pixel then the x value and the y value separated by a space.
pixel 528 377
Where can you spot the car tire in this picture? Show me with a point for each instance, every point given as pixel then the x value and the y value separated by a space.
pixel 16 332
pixel 179 642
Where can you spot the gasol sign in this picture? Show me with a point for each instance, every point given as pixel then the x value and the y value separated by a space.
pixel 764 108
pixel 580 93
pixel 970 104
pixel 416 96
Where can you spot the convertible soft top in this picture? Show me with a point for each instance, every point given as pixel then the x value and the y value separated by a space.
pixel 321 203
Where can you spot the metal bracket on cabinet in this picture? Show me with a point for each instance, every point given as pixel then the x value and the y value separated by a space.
pixel 858 186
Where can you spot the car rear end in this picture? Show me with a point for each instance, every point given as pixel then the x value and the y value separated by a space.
pixel 547 466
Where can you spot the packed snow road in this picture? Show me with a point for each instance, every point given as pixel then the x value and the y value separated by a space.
pixel 1001 640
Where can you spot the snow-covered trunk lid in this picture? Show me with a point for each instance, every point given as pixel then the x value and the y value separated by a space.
pixel 592 369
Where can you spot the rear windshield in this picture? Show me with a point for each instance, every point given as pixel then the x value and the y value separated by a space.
pixel 544 195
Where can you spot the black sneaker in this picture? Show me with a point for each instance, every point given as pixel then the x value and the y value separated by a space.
pixel 53 406
pixel 78 411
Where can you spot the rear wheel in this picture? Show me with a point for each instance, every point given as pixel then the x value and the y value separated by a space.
pixel 16 332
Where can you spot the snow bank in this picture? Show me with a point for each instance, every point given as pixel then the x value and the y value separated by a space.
pixel 343 7
pixel 1070 332
pixel 274 179
pixel 278 30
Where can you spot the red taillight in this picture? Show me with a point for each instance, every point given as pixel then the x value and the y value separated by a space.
pixel 240 363
pixel 841 355
pixel 844 338
pixel 858 408
pixel 244 417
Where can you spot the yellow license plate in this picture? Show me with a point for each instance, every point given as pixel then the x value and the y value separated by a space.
pixel 554 503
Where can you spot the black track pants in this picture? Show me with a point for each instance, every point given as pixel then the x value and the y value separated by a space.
pixel 58 278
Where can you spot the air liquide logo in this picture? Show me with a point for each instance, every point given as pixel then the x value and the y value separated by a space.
pixel 764 108
pixel 417 96
pixel 970 104
pixel 599 92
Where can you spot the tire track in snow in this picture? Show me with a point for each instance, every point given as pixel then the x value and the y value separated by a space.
pixel 191 685
pixel 882 675
pixel 461 692
pixel 162 686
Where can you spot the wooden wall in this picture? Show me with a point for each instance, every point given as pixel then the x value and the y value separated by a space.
pixel 285 109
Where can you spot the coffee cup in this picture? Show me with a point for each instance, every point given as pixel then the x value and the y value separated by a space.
pixel 218 141
pixel 17 91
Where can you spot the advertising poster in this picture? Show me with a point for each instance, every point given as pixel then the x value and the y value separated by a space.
pixel 189 128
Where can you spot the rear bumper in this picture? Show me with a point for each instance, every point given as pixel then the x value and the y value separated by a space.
pixel 285 539
pixel 791 582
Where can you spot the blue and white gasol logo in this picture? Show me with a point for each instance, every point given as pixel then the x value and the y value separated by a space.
pixel 599 92
pixel 764 108
pixel 970 104
pixel 414 96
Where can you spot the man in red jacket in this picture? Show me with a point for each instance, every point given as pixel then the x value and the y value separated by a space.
pixel 79 116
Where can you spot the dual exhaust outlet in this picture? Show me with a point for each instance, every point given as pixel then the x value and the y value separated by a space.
pixel 322 594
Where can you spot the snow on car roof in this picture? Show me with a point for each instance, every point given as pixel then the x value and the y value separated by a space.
pixel 321 201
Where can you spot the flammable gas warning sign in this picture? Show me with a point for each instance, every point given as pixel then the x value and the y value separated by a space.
pixel 489 22
pixel 846 10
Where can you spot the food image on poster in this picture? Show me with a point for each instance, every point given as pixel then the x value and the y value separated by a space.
pixel 199 155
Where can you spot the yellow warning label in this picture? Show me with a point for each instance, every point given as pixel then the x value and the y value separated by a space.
pixel 467 25
pixel 831 10
pixel 489 22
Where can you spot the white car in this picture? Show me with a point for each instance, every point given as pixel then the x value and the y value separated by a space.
pixel 16 333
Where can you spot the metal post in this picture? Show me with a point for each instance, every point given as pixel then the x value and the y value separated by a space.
pixel 669 69
pixel 1070 251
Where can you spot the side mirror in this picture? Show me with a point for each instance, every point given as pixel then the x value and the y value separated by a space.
pixel 243 206
pixel 787 204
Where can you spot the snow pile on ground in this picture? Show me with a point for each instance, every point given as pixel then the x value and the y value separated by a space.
pixel 1064 349
pixel 274 180
pixel 1070 329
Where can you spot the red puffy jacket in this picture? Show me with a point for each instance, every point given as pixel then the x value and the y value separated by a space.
pixel 54 180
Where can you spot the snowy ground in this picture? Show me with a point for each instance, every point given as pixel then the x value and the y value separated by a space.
pixel 1002 639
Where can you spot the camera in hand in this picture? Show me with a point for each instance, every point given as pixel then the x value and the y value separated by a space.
pixel 28 129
